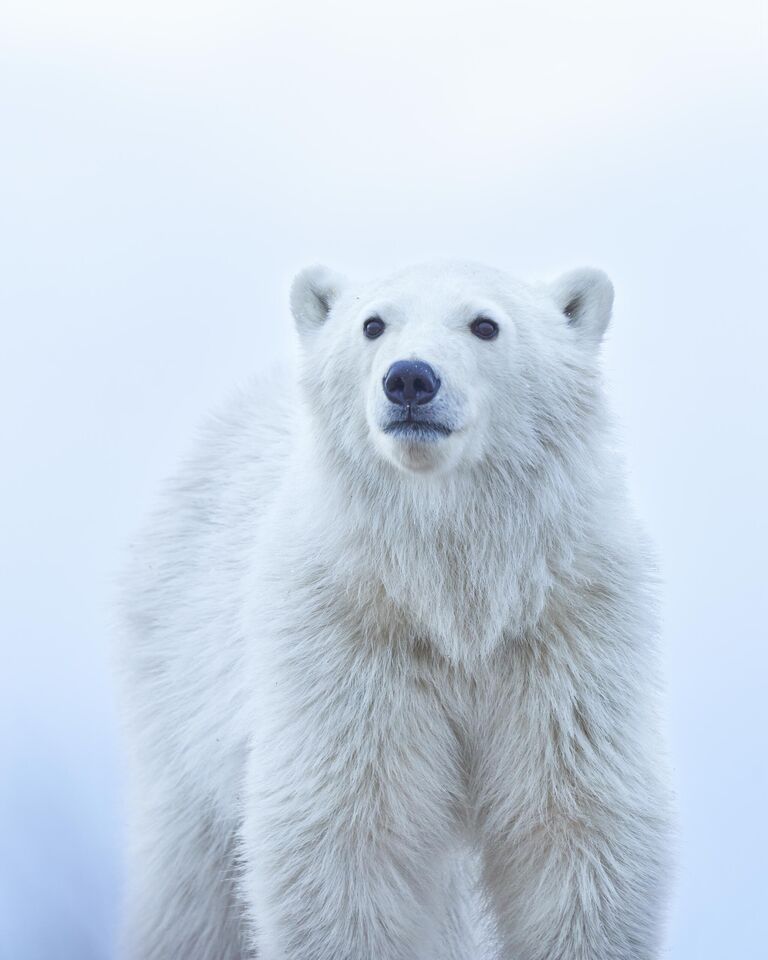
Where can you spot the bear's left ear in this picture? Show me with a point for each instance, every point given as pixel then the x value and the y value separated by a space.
pixel 585 298
pixel 313 293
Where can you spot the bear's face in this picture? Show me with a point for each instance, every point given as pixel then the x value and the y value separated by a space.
pixel 446 364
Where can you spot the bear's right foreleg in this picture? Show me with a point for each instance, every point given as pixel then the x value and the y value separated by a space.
pixel 350 814
pixel 181 899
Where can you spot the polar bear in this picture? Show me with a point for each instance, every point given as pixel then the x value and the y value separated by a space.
pixel 388 647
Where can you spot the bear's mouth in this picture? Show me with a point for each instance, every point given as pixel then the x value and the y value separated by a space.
pixel 410 429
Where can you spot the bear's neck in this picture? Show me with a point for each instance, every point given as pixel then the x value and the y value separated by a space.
pixel 466 558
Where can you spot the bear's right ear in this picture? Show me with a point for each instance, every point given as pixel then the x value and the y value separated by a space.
pixel 313 293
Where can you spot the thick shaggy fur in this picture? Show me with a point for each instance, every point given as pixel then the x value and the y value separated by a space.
pixel 392 699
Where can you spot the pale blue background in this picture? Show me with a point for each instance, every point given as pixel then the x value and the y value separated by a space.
pixel 166 167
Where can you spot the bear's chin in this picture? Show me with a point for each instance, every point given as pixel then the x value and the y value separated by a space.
pixel 418 454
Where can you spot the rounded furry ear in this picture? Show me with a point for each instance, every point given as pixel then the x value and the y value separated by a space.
pixel 313 293
pixel 585 298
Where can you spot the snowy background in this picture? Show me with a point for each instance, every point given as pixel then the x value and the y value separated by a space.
pixel 166 167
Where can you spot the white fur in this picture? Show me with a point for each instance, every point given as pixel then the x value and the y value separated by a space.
pixel 393 700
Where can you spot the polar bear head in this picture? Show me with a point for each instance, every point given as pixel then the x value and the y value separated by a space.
pixel 443 366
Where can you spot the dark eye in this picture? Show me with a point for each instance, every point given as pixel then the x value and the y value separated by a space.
pixel 373 327
pixel 484 328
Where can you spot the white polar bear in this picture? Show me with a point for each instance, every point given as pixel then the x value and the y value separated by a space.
pixel 389 647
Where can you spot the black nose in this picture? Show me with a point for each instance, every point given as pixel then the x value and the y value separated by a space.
pixel 411 381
